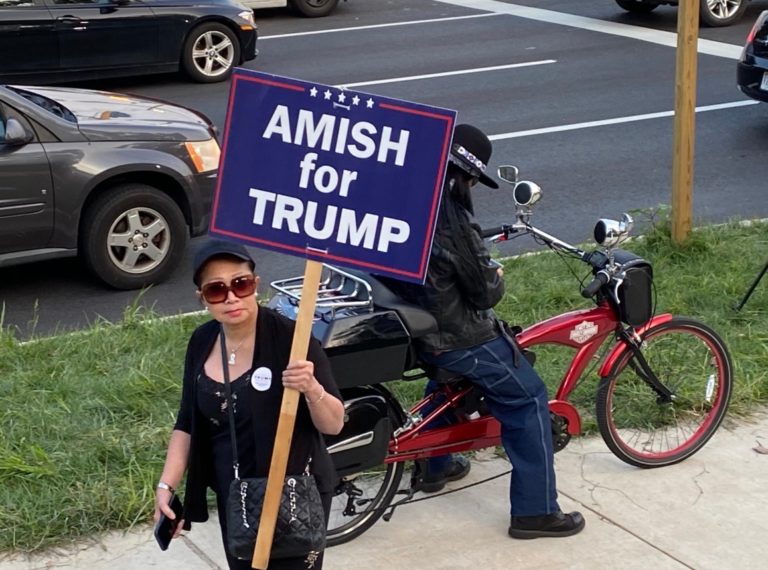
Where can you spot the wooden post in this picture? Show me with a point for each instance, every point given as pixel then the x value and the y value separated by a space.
pixel 282 446
pixel 685 118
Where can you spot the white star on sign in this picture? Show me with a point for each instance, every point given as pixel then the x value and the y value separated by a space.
pixel 342 97
pixel 313 92
pixel 327 94
pixel 369 103
pixel 355 100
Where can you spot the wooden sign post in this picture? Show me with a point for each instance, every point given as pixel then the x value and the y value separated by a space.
pixel 285 424
pixel 685 118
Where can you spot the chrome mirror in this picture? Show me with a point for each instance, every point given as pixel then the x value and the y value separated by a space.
pixel 610 233
pixel 628 222
pixel 508 173
pixel 526 193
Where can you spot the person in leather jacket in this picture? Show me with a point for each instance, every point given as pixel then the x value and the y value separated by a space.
pixel 463 285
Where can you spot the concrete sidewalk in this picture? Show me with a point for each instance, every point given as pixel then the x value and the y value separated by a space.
pixel 705 513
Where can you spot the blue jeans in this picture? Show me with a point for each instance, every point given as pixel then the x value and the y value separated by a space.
pixel 439 463
pixel 518 399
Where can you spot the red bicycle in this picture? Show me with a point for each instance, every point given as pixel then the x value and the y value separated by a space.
pixel 665 380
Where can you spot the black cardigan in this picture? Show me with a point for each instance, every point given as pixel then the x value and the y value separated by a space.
pixel 274 333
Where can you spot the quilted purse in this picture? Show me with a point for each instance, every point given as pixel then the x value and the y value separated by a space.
pixel 300 526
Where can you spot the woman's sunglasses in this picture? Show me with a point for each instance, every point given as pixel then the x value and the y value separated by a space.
pixel 217 291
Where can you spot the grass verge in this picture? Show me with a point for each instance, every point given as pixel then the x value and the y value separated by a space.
pixel 84 418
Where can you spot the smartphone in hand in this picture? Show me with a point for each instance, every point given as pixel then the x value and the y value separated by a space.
pixel 165 527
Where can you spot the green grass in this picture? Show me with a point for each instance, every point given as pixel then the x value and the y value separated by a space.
pixel 85 417
pixel 84 422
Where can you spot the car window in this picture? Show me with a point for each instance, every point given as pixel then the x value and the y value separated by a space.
pixel 82 1
pixel 16 3
pixel 86 2
pixel 49 105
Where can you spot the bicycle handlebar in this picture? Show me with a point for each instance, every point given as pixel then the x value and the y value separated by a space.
pixel 596 261
pixel 490 232
pixel 601 278
pixel 525 227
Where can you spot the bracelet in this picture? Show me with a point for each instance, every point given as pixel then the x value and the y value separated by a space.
pixel 166 487
pixel 319 398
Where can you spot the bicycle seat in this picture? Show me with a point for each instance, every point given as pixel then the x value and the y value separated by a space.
pixel 418 321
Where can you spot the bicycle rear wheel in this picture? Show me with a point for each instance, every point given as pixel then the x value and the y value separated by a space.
pixel 691 360
pixel 360 500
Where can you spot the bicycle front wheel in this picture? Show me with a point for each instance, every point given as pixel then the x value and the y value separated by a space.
pixel 637 424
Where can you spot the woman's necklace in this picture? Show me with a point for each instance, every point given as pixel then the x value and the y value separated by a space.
pixel 232 353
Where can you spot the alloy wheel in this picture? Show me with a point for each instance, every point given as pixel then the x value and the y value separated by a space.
pixel 213 53
pixel 139 240
pixel 723 9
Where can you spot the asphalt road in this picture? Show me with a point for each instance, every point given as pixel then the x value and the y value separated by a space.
pixel 586 65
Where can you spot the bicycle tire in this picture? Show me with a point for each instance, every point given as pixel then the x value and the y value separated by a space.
pixel 689 358
pixel 385 483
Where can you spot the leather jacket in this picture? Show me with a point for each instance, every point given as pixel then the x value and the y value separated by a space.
pixel 461 305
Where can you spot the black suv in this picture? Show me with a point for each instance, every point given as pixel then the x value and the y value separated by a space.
pixel 122 181
pixel 752 75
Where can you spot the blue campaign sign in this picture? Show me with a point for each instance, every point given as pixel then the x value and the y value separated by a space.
pixel 331 174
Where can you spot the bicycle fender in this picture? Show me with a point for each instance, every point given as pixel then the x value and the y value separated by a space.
pixel 620 348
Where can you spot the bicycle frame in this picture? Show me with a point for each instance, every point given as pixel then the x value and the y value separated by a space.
pixel 583 330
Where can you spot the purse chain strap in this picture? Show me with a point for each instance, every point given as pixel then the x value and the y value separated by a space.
pixel 230 408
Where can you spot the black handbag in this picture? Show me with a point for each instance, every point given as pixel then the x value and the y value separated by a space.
pixel 300 526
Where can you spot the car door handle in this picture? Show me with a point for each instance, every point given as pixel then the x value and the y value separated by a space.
pixel 74 20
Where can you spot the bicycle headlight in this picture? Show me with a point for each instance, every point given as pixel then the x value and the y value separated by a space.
pixel 610 233
pixel 526 193
pixel 204 154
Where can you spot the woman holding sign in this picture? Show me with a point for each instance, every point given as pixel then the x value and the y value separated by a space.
pixel 256 356
pixel 462 287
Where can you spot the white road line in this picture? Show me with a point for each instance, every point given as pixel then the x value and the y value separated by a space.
pixel 373 26
pixel 709 47
pixel 449 73
pixel 615 121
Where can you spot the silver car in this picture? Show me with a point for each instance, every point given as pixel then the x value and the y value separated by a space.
pixel 120 180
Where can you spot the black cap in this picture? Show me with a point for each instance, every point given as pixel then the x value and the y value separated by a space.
pixel 218 248
pixel 471 150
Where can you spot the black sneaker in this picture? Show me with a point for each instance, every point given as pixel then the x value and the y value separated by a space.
pixel 553 524
pixel 434 482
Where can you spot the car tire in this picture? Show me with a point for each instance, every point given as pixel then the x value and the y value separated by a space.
pixel 636 6
pixel 314 8
pixel 718 13
pixel 114 223
pixel 210 53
